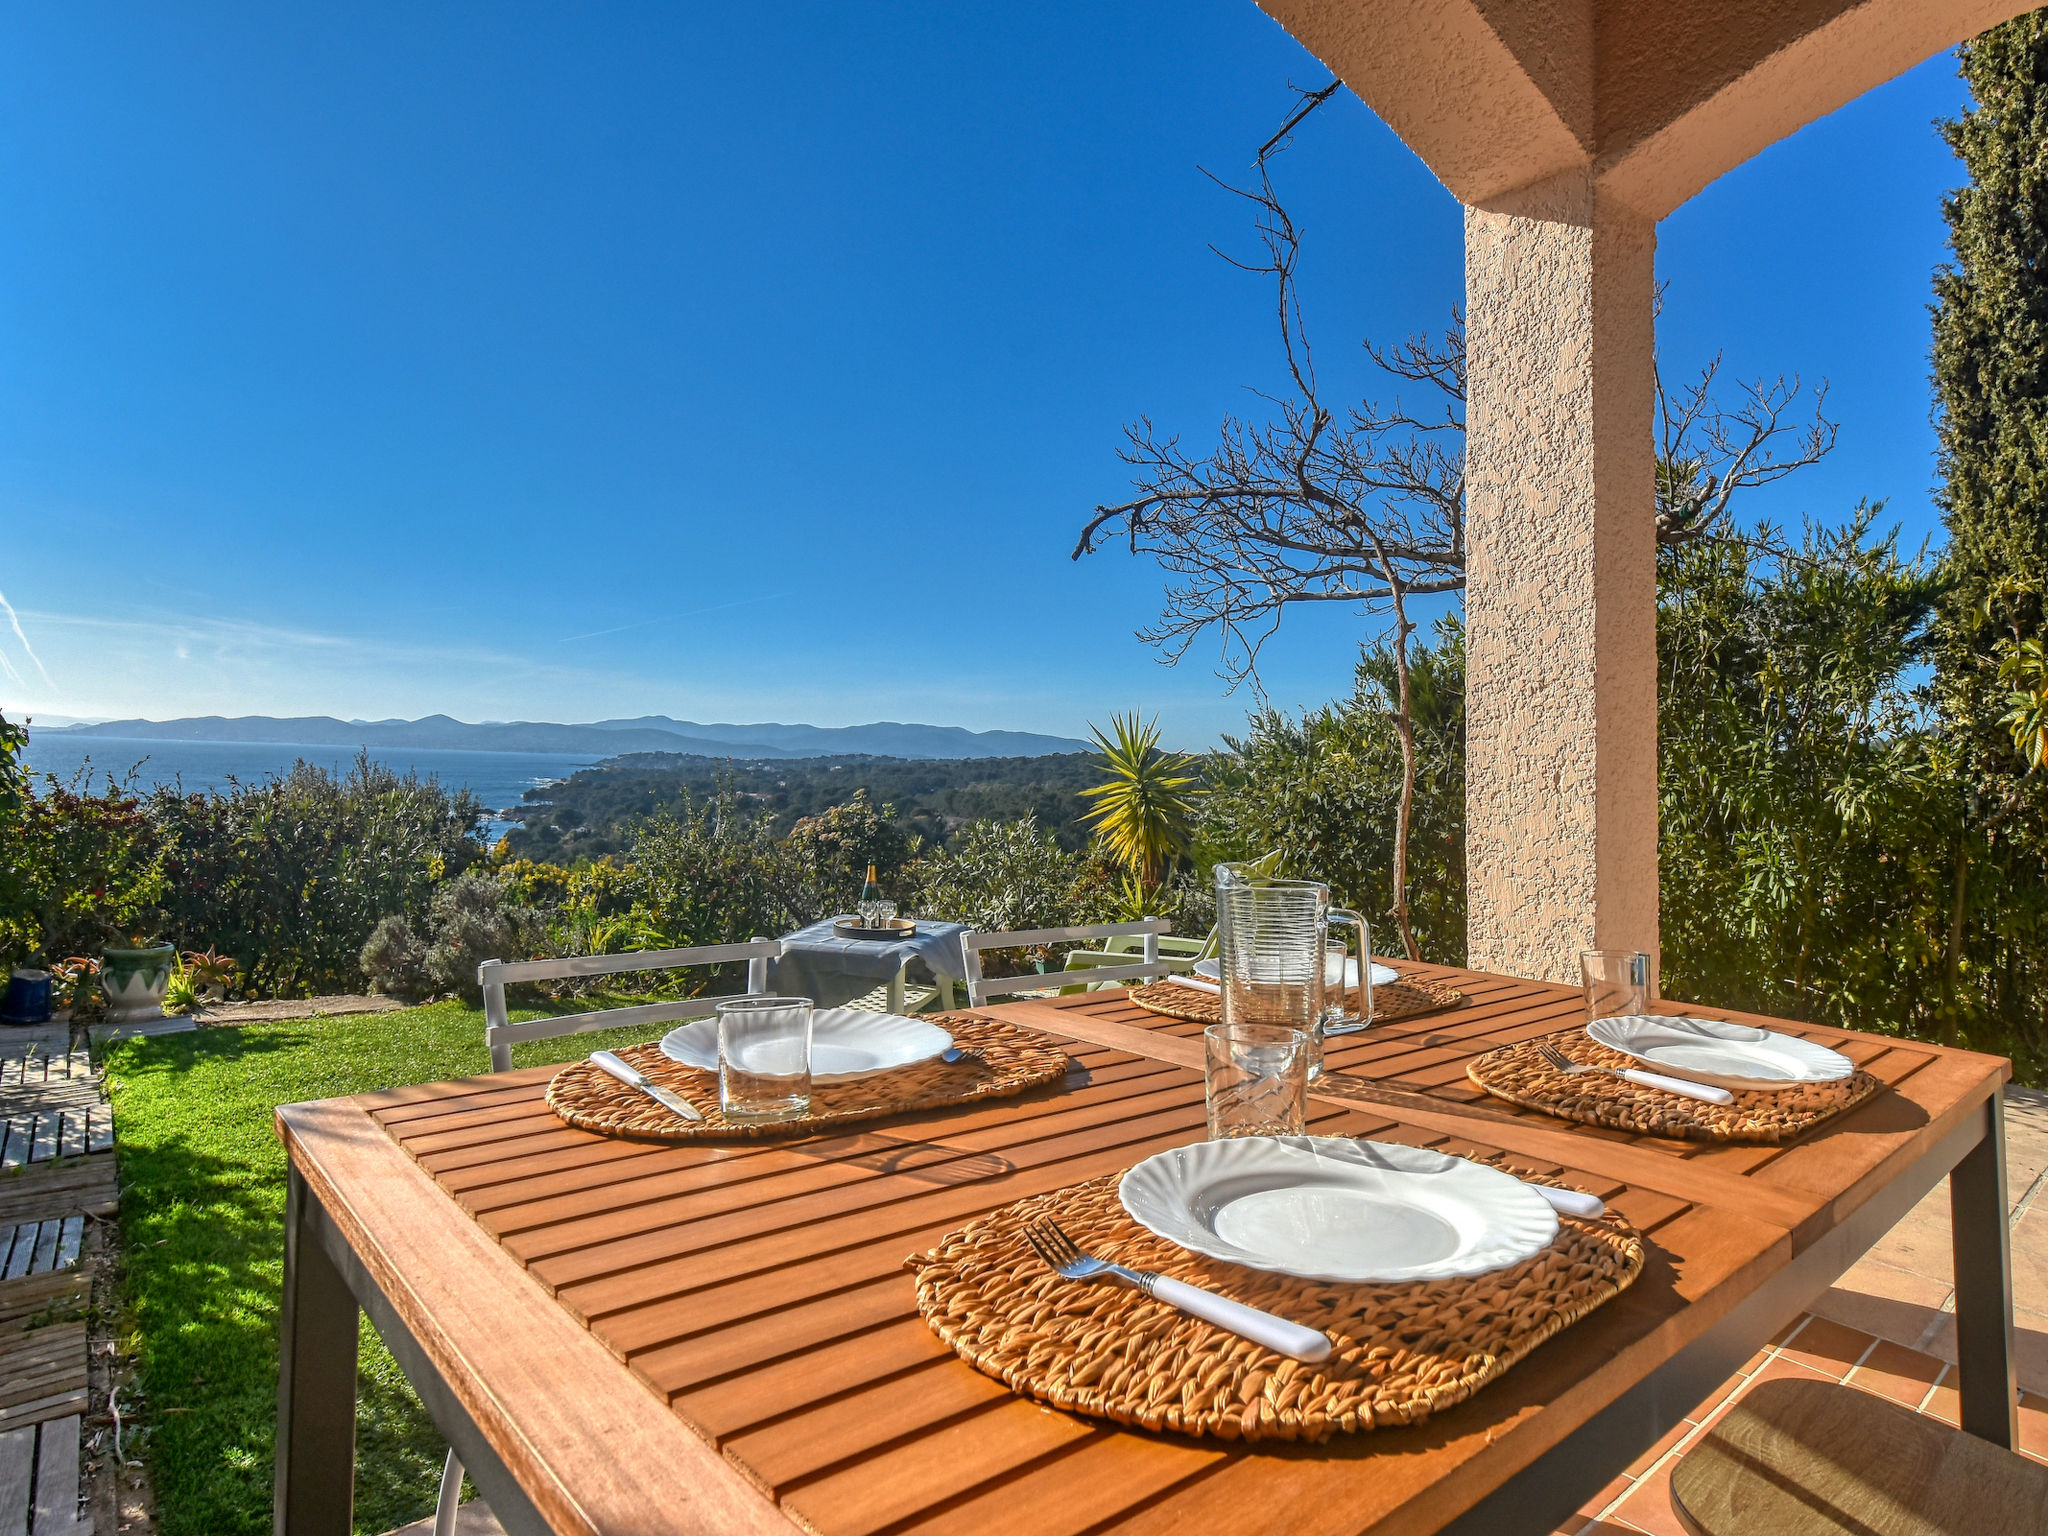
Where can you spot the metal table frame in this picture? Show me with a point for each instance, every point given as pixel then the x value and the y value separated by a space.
pixel 324 1286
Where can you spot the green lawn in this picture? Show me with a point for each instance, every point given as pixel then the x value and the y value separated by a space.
pixel 202 1214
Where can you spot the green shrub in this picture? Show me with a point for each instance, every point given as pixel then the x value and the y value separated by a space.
pixel 712 874
pixel 394 958
pixel 832 852
pixel 292 875
pixel 470 925
pixel 1322 792
pixel 997 875
pixel 82 870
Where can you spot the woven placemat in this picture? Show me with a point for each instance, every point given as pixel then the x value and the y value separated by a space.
pixel 1002 1060
pixel 1402 999
pixel 1103 1349
pixel 1516 1073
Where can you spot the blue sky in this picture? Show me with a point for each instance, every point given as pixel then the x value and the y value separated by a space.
pixel 743 363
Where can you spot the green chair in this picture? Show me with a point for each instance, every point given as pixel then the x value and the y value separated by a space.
pixel 1177 954
pixel 1145 934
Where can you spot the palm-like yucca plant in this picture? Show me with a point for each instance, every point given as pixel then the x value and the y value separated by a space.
pixel 1144 814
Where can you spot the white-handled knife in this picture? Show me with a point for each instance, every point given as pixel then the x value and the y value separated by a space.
pixel 633 1077
pixel 1572 1202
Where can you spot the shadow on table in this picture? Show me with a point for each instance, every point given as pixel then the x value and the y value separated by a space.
pixel 929 1162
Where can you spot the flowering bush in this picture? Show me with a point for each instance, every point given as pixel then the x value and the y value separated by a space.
pixel 81 871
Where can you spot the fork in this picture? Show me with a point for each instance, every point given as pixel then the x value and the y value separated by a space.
pixel 1064 1257
pixel 1706 1094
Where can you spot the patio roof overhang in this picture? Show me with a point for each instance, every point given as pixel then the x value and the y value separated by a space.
pixel 1568 128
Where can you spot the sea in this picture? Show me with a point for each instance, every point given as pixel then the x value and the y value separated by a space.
pixel 499 779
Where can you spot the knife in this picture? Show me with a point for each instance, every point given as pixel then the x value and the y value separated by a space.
pixel 633 1077
pixel 1566 1202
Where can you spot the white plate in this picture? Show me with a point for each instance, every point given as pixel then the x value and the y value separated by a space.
pixel 845 1043
pixel 1725 1055
pixel 1212 970
pixel 1329 1208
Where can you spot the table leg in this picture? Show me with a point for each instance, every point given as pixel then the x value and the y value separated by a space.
pixel 1979 1229
pixel 316 1389
pixel 896 988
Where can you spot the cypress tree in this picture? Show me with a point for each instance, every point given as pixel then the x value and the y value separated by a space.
pixel 1991 390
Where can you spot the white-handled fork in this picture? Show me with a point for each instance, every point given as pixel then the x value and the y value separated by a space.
pixel 1706 1093
pixel 1065 1258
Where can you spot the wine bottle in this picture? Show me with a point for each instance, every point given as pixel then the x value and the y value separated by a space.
pixel 870 904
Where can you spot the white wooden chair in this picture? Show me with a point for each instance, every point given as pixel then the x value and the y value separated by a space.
pixel 981 988
pixel 501 1034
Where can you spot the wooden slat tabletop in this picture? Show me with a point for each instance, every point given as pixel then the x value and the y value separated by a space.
pixel 759 1290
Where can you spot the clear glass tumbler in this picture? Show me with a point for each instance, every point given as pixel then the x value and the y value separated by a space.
pixel 1617 982
pixel 1257 1079
pixel 764 1057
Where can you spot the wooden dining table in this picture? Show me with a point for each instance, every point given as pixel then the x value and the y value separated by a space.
pixel 643 1338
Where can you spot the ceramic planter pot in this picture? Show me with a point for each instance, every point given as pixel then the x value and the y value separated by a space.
pixel 134 981
pixel 28 998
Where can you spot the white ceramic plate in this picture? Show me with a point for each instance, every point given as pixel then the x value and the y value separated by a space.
pixel 1329 1208
pixel 1212 970
pixel 1725 1055
pixel 845 1043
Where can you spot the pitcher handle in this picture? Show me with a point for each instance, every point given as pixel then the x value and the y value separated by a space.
pixel 1345 1022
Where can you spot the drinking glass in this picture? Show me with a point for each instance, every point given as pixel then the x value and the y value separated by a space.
pixel 1257 1079
pixel 1617 982
pixel 764 1057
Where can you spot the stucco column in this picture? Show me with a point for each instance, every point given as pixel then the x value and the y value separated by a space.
pixel 1560 601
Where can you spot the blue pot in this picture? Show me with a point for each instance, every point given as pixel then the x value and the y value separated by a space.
pixel 28 998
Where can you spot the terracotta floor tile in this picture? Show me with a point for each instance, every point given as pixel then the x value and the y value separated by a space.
pixel 1779 1369
pixel 1920 1242
pixel 1597 1505
pixel 1887 1317
pixel 1668 1439
pixel 1828 1347
pixel 1789 1329
pixel 1723 1392
pixel 1898 1373
pixel 2029 1347
pixel 2030 1259
pixel 2026 1139
pixel 1875 1276
pixel 1648 1507
pixel 1944 1405
pixel 2033 1438
pixel 1782 1368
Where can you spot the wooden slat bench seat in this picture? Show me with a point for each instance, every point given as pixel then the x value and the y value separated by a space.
pixel 1811 1458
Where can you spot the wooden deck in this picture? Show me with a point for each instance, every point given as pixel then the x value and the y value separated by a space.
pixel 758 1290
pixel 56 1174
pixel 50 1107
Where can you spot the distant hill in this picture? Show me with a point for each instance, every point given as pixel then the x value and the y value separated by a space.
pixel 885 738
pixel 593 812
pixel 651 733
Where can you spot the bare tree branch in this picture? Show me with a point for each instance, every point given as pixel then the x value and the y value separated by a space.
pixel 1367 506
pixel 1708 452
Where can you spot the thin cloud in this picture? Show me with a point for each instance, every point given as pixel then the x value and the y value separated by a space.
pixel 22 635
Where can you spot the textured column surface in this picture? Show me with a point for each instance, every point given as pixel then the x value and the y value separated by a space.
pixel 1561 722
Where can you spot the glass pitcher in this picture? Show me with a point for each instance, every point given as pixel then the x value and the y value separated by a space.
pixel 1277 963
